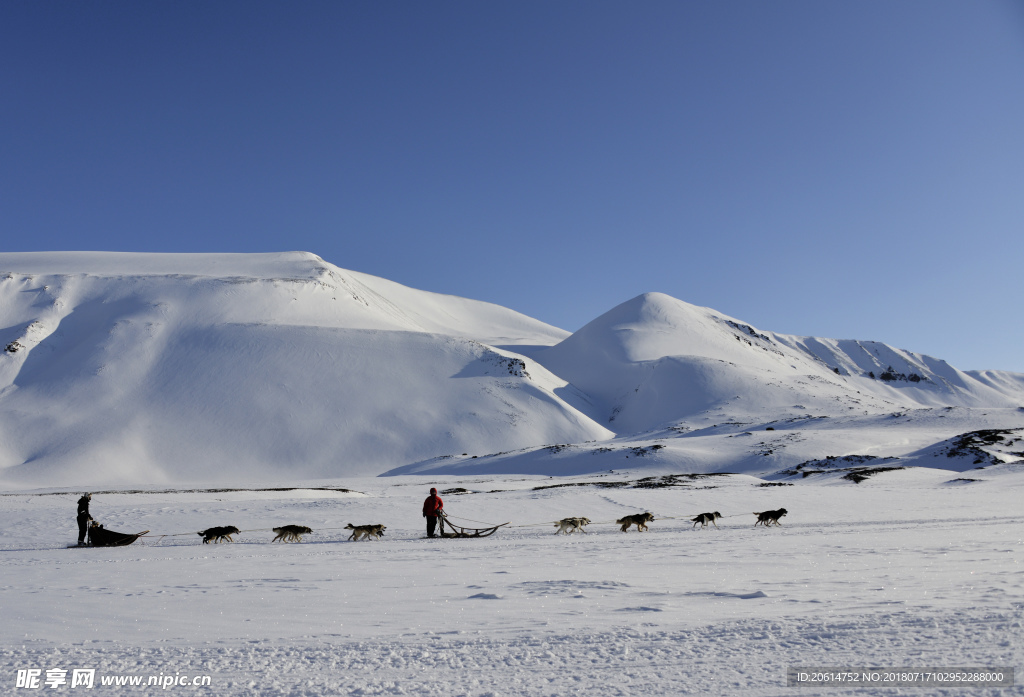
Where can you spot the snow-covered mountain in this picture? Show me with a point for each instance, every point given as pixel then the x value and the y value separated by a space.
pixel 149 368
pixel 152 368
pixel 655 360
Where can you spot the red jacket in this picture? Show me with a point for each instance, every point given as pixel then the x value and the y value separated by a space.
pixel 433 505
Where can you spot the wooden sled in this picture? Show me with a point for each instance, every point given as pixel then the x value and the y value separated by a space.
pixel 459 531
pixel 101 537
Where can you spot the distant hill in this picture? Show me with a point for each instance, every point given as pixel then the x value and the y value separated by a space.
pixel 123 368
pixel 654 360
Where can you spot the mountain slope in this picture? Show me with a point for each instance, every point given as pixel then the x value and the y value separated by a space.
pixel 283 288
pixel 148 369
pixel 691 390
pixel 655 360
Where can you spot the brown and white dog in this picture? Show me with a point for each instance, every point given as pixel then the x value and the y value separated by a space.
pixel 360 532
pixel 570 525
pixel 640 520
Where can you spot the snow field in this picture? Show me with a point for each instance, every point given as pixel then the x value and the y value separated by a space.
pixel 904 569
pixel 735 658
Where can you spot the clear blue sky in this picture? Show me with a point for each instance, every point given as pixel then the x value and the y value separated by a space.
pixel 840 169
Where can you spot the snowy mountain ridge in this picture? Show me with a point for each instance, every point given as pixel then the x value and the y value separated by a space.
pixel 655 359
pixel 153 368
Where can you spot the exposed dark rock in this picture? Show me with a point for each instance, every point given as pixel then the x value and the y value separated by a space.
pixel 832 463
pixel 658 482
pixel 747 329
pixel 859 475
pixel 644 452
pixel 515 366
pixel 890 375
pixel 970 445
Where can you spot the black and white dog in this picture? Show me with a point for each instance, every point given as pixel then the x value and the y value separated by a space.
pixel 705 518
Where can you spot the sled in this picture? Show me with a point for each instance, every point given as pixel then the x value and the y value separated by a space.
pixel 101 537
pixel 459 531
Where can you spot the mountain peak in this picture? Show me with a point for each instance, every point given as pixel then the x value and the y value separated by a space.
pixel 653 325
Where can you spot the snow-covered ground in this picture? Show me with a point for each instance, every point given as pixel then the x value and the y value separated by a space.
pixel 916 567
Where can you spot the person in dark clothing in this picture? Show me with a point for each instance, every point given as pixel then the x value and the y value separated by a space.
pixel 433 508
pixel 83 517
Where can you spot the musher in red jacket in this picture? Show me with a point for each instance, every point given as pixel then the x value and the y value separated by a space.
pixel 433 507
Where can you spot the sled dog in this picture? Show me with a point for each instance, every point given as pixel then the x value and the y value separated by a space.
pixel 705 518
pixel 218 534
pixel 768 518
pixel 640 520
pixel 360 532
pixel 568 526
pixel 291 533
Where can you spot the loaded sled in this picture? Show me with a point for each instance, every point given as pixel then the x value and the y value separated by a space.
pixel 99 536
pixel 459 531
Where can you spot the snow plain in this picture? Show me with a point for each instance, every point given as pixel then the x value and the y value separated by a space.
pixel 911 568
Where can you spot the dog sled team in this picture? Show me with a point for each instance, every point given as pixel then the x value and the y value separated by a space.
pixel 433 511
pixel 98 536
pixel 290 533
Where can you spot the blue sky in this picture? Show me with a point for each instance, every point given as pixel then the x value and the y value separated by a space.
pixel 840 169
